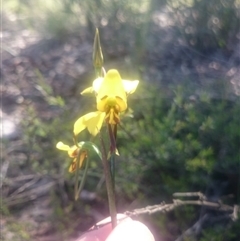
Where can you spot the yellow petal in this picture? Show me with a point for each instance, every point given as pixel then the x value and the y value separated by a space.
pixel 81 123
pixel 97 84
pixel 111 85
pixel 89 90
pixel 93 121
pixel 79 126
pixel 62 146
pixel 130 86
pixel 122 105
pixel 101 104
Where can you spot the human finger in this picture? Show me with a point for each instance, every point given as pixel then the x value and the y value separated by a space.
pixel 101 230
pixel 130 230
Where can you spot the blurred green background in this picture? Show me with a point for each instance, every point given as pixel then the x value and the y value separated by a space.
pixel 182 136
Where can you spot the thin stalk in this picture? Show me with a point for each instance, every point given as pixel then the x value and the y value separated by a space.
pixel 109 185
pixel 83 180
pixel 76 176
pixel 112 130
pixel 112 134
pixel 112 168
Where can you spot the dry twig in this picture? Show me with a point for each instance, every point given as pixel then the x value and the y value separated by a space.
pixel 202 201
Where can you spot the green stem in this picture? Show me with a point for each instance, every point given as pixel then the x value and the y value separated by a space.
pixel 109 185
pixel 83 180
pixel 112 129
pixel 76 176
pixel 112 165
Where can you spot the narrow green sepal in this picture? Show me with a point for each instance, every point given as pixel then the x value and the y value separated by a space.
pixel 97 52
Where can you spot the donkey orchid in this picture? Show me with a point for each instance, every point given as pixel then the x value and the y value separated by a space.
pixel 73 153
pixel 111 97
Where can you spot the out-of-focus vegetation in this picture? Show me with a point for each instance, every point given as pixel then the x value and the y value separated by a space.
pixel 206 26
pixel 184 134
pixel 182 142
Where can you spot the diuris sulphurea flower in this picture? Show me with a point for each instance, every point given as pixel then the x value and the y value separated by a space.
pixel 111 93
pixel 73 153
pixel 82 153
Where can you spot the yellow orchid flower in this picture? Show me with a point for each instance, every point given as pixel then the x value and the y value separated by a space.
pixel 111 94
pixel 73 153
